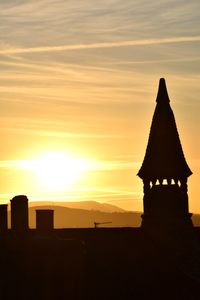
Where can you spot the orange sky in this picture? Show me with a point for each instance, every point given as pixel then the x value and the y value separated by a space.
pixel 80 78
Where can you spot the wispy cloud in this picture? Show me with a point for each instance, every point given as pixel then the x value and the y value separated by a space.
pixel 97 165
pixel 114 196
pixel 143 42
pixel 62 134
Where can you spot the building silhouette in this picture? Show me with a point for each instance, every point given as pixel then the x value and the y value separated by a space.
pixel 159 260
pixel 164 204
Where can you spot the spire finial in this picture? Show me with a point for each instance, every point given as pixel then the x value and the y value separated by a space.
pixel 162 96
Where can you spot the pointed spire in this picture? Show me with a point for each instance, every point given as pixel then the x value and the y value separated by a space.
pixel 164 158
pixel 162 96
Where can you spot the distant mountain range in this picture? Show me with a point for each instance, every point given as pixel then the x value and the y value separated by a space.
pixel 87 205
pixel 85 213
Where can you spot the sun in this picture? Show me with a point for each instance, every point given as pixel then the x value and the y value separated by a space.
pixel 57 171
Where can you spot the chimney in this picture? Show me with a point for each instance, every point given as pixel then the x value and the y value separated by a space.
pixel 44 220
pixel 19 213
pixel 3 218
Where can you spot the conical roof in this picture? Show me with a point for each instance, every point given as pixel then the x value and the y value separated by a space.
pixel 164 156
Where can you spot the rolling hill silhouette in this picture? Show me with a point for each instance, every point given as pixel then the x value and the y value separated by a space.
pixel 65 217
pixel 88 205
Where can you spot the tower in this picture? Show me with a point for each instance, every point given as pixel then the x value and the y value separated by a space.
pixel 164 204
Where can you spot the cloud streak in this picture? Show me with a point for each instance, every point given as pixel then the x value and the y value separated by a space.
pixel 142 42
pixel 97 165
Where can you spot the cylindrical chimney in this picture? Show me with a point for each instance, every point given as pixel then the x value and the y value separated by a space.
pixel 3 218
pixel 44 219
pixel 19 213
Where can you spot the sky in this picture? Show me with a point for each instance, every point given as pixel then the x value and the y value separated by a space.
pixel 78 83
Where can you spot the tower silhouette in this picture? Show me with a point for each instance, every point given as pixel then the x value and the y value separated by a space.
pixel 164 204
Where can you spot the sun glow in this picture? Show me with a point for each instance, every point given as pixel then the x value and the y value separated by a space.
pixel 57 171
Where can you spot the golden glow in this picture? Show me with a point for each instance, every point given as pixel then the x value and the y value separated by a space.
pixel 91 93
pixel 57 171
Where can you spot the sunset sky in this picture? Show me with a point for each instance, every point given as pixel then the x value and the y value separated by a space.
pixel 78 82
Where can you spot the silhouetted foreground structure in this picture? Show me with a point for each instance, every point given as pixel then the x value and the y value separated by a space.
pixel 19 213
pixel 164 159
pixel 159 260
pixel 3 218
pixel 44 220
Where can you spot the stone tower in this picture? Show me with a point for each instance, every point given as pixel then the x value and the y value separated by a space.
pixel 164 170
